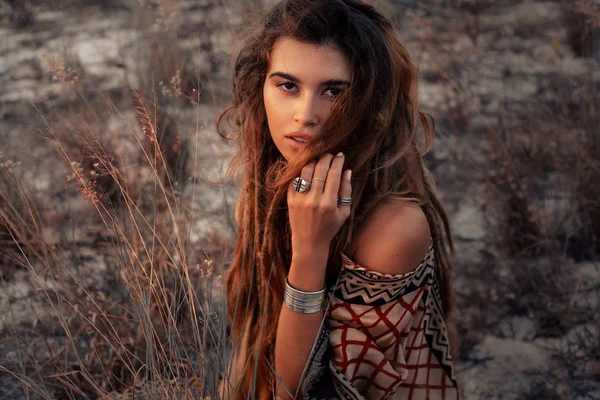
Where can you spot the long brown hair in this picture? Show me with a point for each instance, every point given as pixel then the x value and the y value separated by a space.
pixel 374 123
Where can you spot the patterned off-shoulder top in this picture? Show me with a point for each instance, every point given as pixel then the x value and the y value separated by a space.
pixel 384 337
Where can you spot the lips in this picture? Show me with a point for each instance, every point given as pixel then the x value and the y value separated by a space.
pixel 301 135
pixel 294 144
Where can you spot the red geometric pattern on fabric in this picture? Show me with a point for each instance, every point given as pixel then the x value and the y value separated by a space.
pixel 383 351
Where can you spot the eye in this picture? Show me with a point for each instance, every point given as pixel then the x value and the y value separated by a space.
pixel 286 87
pixel 335 91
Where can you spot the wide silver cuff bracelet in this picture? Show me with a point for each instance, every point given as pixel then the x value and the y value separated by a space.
pixel 303 302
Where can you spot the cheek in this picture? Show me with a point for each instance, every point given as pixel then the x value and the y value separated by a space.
pixel 273 107
pixel 267 100
pixel 326 107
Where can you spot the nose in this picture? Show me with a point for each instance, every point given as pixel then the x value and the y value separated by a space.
pixel 306 112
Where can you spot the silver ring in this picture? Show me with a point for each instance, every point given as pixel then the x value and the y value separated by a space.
pixel 317 179
pixel 344 201
pixel 301 185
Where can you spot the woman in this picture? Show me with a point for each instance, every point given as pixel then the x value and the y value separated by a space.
pixel 334 290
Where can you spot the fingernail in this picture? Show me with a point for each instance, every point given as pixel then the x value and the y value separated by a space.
pixel 349 174
pixel 339 154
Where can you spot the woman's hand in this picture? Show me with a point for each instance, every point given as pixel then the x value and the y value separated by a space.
pixel 315 216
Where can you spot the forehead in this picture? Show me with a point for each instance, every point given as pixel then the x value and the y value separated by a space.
pixel 308 61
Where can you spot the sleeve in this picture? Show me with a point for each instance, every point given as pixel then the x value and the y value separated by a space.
pixel 370 319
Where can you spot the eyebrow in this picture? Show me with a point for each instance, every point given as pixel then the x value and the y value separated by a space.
pixel 329 82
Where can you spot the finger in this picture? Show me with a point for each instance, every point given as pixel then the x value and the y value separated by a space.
pixel 345 185
pixel 306 174
pixel 308 171
pixel 333 178
pixel 321 172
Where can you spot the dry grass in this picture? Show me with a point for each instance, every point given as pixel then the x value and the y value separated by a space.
pixel 583 24
pixel 543 207
pixel 18 221
pixel 138 316
pixel 150 320
pixel 542 177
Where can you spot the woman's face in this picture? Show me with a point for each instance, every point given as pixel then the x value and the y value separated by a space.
pixel 301 84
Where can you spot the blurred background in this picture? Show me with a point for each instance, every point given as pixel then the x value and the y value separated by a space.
pixel 117 225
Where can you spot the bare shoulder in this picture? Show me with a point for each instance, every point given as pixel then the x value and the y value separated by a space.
pixel 393 239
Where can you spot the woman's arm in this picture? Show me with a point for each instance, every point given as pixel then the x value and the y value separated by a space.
pixel 315 217
pixel 296 332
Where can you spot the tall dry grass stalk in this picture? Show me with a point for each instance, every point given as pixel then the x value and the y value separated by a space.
pixel 149 319
pixel 17 221
pixel 158 331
